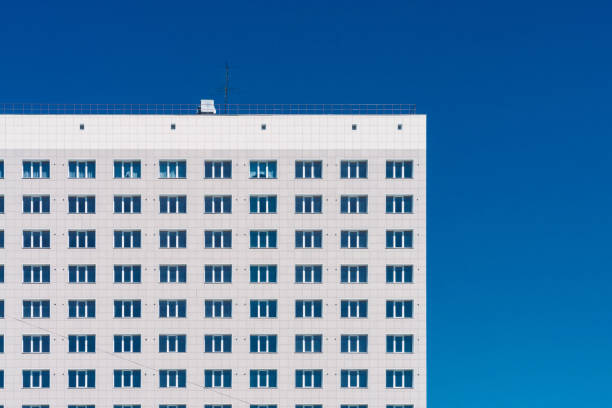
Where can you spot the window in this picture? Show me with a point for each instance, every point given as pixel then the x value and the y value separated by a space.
pixel 217 239
pixel 262 239
pixel 262 169
pixel 308 308
pixel 217 204
pixel 81 343
pixel 1 238
pixel 173 308
pixel 82 309
pixel 308 406
pixel 36 378
pixel 217 273
pixel 35 239
pixel 171 406
pixel 127 169
pixel 175 204
pixel 353 378
pixel 399 273
pixel 218 406
pixel 308 273
pixel 172 343
pixel 127 204
pixel 81 378
pixel 36 204
pixel 399 309
pixel 308 169
pixel 126 308
pixel 81 204
pixel 354 126
pixel 172 273
pixel 309 239
pixel 217 169
pixel 1 169
pixel 2 379
pixel 126 378
pixel 354 308
pixel 1 273
pixel 399 204
pixel 354 343
pixel 2 309
pixel 354 169
pixel 173 239
pixel 127 273
pixel 353 239
pixel 218 308
pixel 398 169
pixel 262 379
pixel 354 274
pixel 36 343
pixel 36 309
pixel 399 343
pixel 36 169
pixel 1 204
pixel 308 343
pixel 308 204
pixel 354 204
pixel 399 378
pixel 262 204
pixel 354 406
pixel 129 406
pixel 217 378
pixel 176 169
pixel 126 343
pixel 263 343
pixel 263 308
pixel 36 273
pixel 172 378
pixel 217 343
pixel 81 169
pixel 308 378
pixel 263 273
pixel 1 343
pixel 126 239
pixel 82 239
pixel 263 406
pixel 35 406
pixel 399 239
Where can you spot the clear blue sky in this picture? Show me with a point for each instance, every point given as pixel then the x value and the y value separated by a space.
pixel 519 113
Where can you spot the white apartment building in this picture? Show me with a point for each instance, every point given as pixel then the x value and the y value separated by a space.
pixel 243 258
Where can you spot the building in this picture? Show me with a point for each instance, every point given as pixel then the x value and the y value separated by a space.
pixel 252 257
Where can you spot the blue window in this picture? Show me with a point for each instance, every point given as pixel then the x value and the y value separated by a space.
pixel 35 239
pixel 82 309
pixel 263 343
pixel 1 169
pixel 308 343
pixel 354 406
pixel 399 273
pixel 217 204
pixel 353 378
pixel 262 169
pixel 262 204
pixel 36 169
pixel 2 309
pixel 173 239
pixel 81 343
pixel 127 273
pixel 172 343
pixel 81 378
pixel 309 239
pixel 36 309
pixel 263 273
pixel 354 274
pixel 172 406
pixel 36 273
pixel 262 406
pixel 354 204
pixel 36 343
pixel 308 273
pixel 82 239
pixel 2 379
pixel 217 169
pixel 172 204
pixel 354 239
pixel 308 378
pixel 217 239
pixel 80 204
pixel 2 239
pixel 1 204
pixel 129 406
pixel 172 378
pixel 127 169
pixel 354 308
pixel 399 343
pixel 36 204
pixel 217 273
pixel 308 308
pixel 308 204
pixel 1 273
pixel 308 406
pixel 262 239
pixel 127 343
pixel 217 343
pixel 218 308
pixel 263 308
pixel 173 169
pixel 1 343
pixel 172 273
pixel 36 378
pixel 399 204
pixel 399 378
pixel 81 406
pixel 308 169
pixel 353 169
pixel 81 169
pixel 126 378
pixel 263 379
pixel 399 169
pixel 126 239
pixel 354 343
pixel 400 406
pixel 399 239
pixel 399 309
pixel 217 378
pixel 35 406
pixel 217 406
pixel 173 308
pixel 127 204
pixel 127 308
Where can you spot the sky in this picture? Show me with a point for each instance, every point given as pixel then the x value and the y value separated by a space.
pixel 519 139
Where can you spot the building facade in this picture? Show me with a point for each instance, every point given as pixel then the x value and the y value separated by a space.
pixel 264 260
